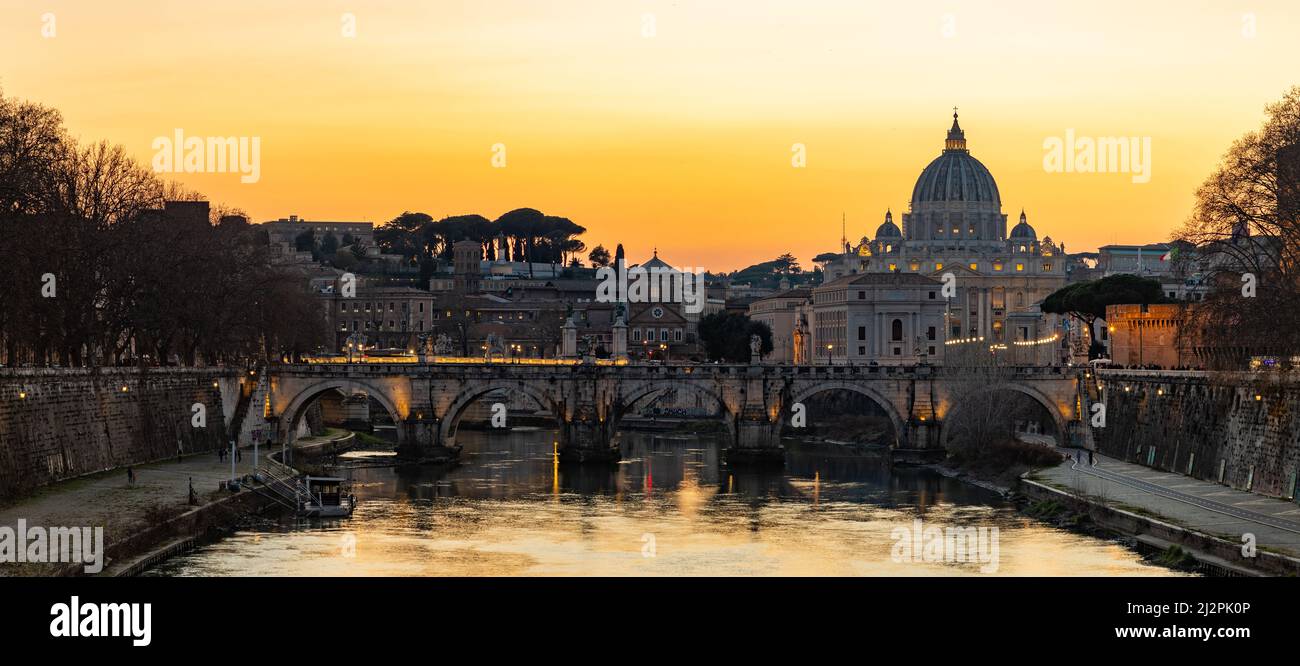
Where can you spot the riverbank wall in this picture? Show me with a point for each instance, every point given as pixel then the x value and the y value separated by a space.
pixel 1238 429
pixel 58 424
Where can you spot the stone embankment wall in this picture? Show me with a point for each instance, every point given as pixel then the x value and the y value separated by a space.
pixel 57 424
pixel 1238 429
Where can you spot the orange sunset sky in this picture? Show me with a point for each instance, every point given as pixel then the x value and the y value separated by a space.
pixel 667 124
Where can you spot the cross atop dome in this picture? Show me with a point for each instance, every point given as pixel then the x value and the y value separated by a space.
pixel 956 136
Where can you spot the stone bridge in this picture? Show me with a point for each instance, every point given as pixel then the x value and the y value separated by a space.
pixel 426 400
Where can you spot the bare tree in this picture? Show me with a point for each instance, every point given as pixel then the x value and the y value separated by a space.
pixel 1246 226
pixel 980 414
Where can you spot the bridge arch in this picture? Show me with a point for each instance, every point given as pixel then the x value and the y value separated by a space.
pixel 1053 410
pixel 297 406
pixel 451 417
pixel 628 398
pixel 800 393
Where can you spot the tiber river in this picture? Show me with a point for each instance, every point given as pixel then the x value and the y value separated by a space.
pixel 668 509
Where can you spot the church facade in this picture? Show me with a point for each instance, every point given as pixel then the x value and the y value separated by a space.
pixel 955 235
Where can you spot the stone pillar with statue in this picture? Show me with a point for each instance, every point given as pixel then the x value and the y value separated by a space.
pixel 569 339
pixel 619 342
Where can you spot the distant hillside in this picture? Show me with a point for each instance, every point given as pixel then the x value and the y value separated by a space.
pixel 768 274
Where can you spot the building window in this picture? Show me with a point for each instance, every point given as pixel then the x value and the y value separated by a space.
pixel 896 334
pixel 663 335
pixel 862 332
pixel 893 267
pixel 862 351
pixel 974 266
pixel 1047 267
pixel 997 266
pixel 931 351
pixel 1020 267
pixel 862 295
pixel 898 351
pixel 929 333
pixel 636 334
pixel 677 335
pixel 938 265
pixel 932 295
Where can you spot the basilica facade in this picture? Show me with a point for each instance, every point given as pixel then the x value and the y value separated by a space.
pixel 955 234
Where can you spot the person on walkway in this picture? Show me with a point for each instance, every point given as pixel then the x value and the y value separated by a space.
pixel 194 497
pixel 239 455
pixel 130 476
pixel 1090 460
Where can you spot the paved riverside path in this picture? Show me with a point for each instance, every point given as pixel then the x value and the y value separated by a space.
pixel 104 499
pixel 1202 506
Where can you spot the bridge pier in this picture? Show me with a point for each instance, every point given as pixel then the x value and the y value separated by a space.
pixel 922 434
pixel 756 440
pixel 421 439
pixel 921 441
pixel 587 438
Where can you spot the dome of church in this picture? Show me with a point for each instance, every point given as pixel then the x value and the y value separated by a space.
pixel 1023 231
pixel 955 175
pixel 888 229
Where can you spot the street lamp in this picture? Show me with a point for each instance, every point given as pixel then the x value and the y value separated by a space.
pixel 829 359
pixel 355 343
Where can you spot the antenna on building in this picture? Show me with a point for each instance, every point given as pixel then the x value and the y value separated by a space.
pixel 844 239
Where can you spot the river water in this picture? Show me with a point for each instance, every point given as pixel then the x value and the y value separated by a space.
pixel 668 508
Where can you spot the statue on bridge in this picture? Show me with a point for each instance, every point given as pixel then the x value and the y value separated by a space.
pixel 495 346
pixel 442 345
pixel 755 348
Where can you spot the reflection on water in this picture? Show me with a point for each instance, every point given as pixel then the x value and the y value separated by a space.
pixel 669 508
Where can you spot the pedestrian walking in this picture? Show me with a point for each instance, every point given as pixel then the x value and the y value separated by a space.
pixel 130 476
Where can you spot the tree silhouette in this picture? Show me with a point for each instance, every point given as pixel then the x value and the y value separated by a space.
pixel 599 257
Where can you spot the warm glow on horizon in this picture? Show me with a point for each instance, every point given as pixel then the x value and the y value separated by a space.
pixel 678 139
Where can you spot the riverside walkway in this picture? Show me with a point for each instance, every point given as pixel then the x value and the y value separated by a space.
pixel 161 491
pixel 1202 506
